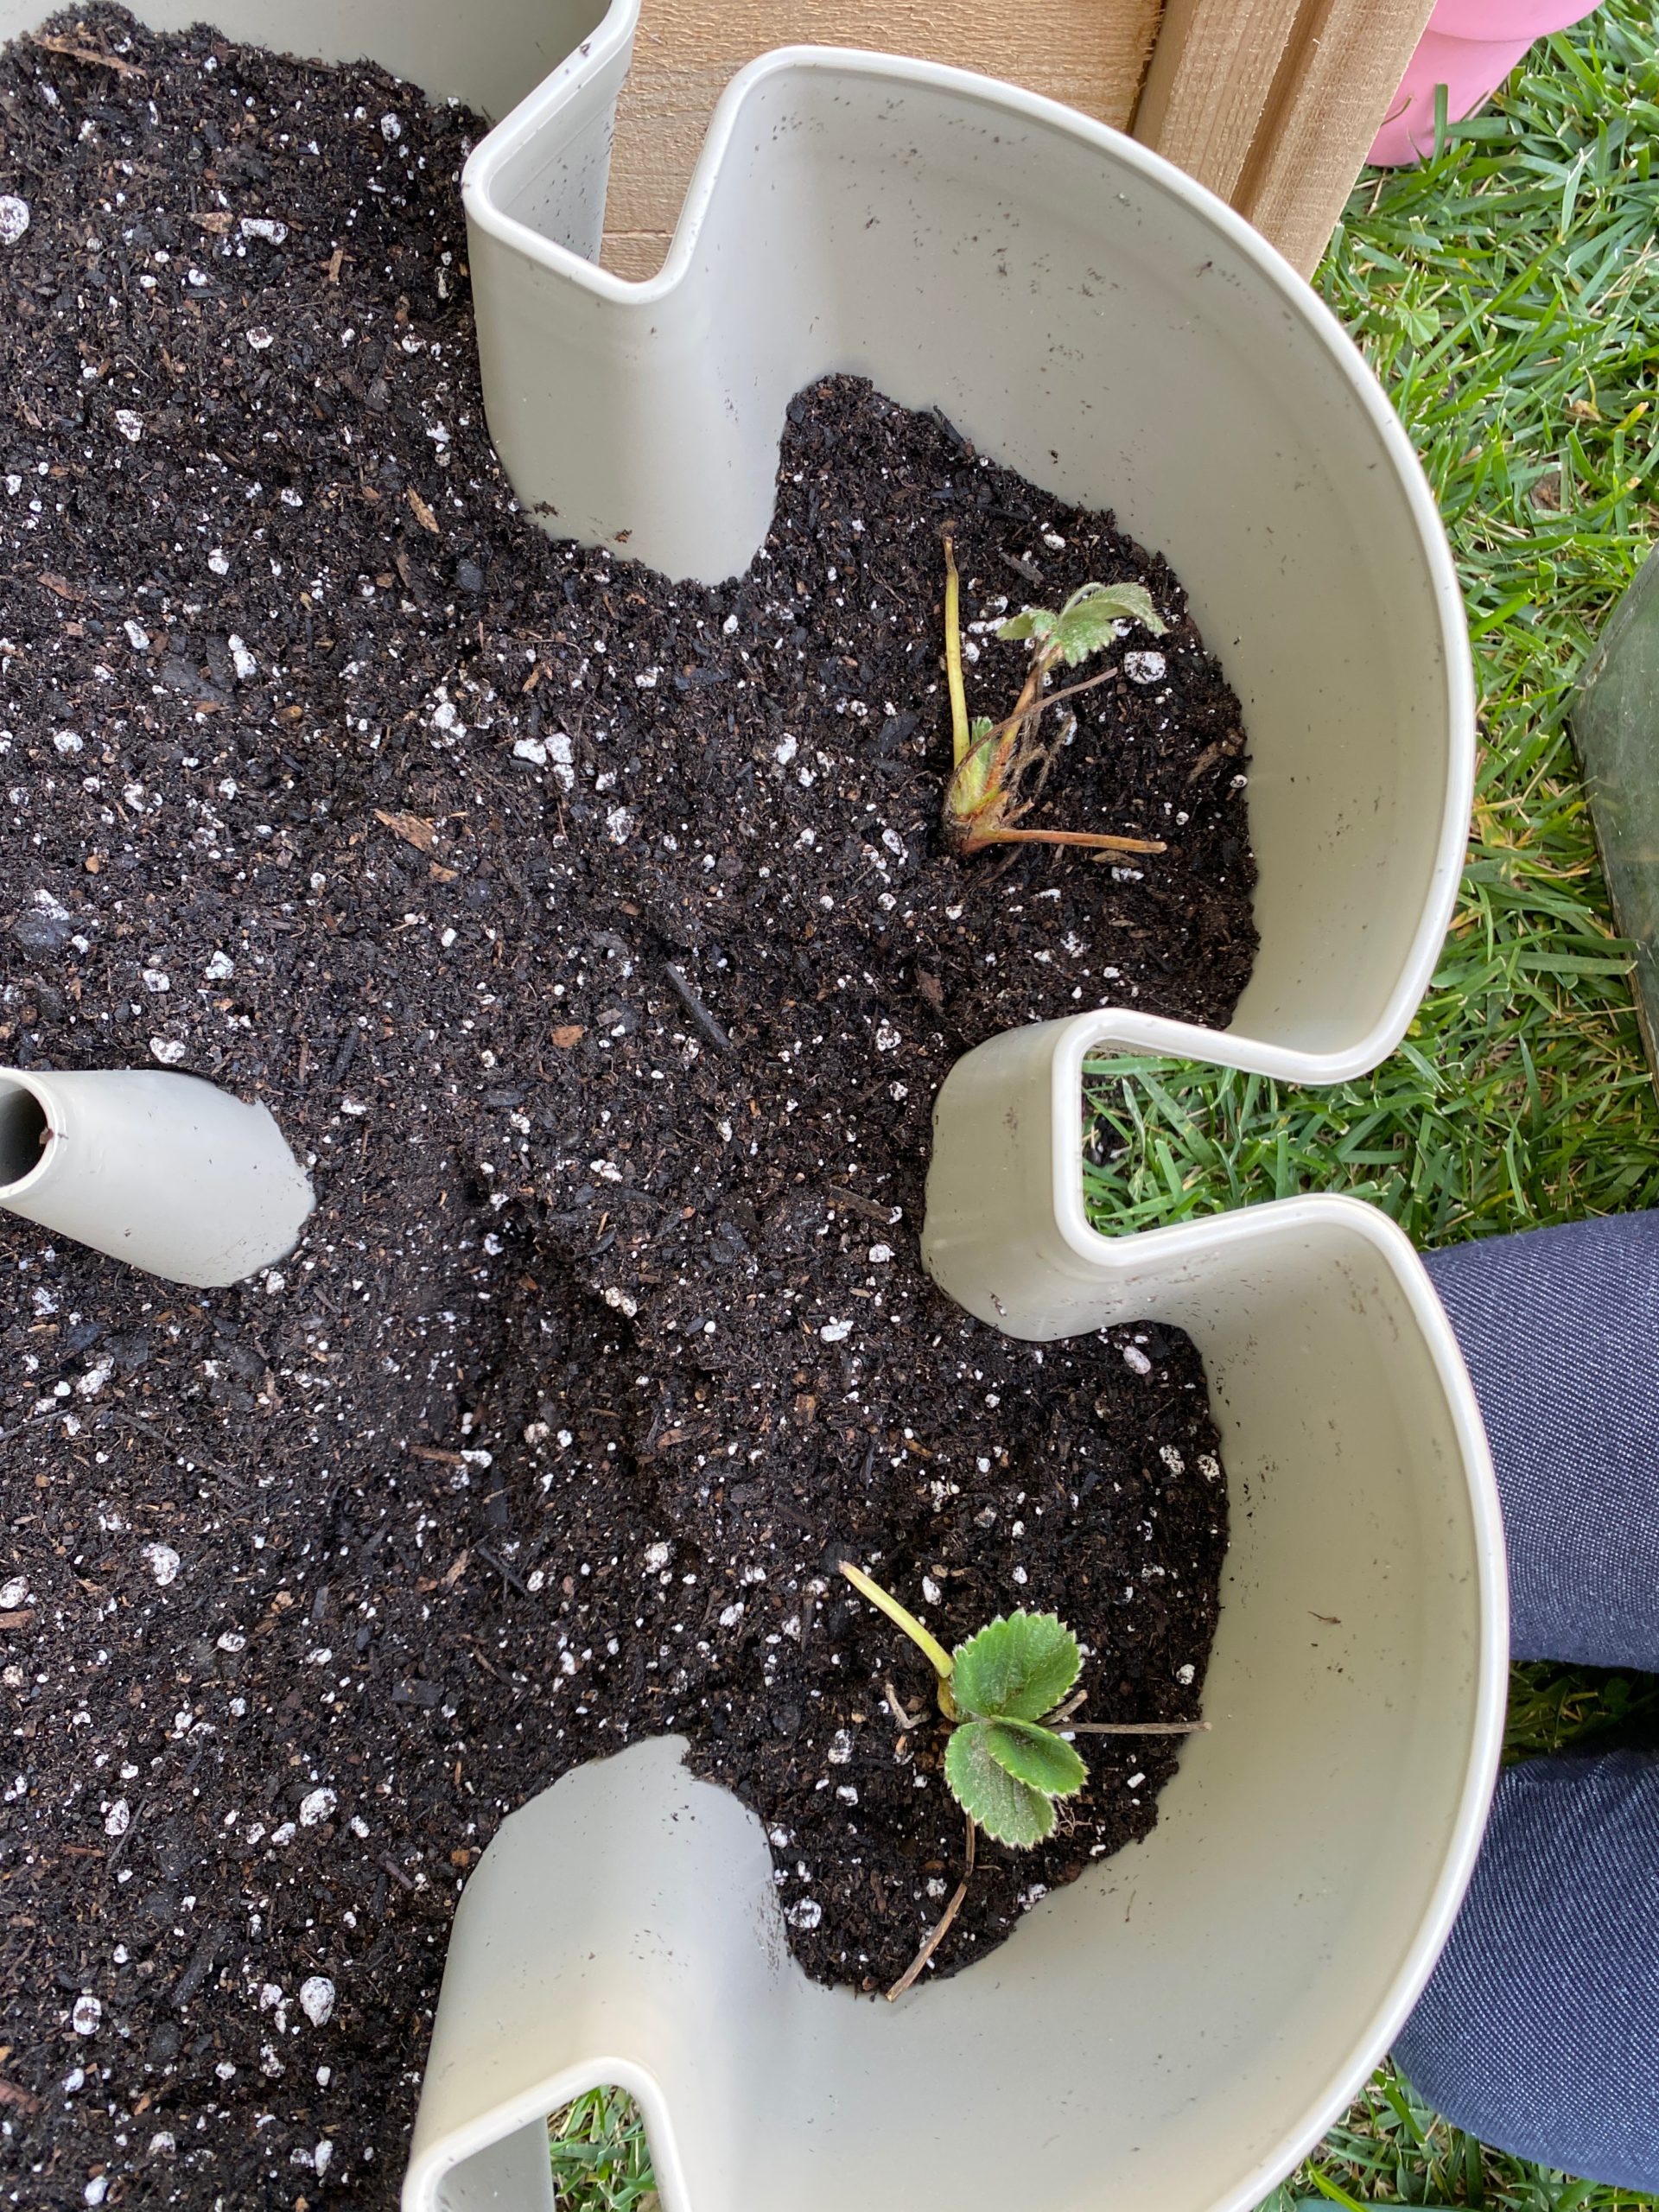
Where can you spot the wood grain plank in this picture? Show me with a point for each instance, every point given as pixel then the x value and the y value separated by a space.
pixel 1091 53
pixel 1334 88
pixel 1211 74
pixel 1273 104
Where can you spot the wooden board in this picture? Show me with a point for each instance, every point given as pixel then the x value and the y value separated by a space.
pixel 1091 53
pixel 1273 104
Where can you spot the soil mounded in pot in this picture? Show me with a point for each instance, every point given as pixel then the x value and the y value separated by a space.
pixel 591 935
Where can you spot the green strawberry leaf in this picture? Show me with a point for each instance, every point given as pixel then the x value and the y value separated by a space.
pixel 1009 1811
pixel 1090 618
pixel 1016 1668
pixel 1030 622
pixel 1036 1756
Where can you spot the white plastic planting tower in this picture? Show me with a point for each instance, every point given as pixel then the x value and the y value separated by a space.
pixel 1085 313
pixel 1179 2026
pixel 1181 2023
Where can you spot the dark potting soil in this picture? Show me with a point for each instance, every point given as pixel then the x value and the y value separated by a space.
pixel 591 936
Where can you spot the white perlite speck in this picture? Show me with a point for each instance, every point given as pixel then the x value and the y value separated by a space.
pixel 164 1563
pixel 391 128
pixel 118 1819
pixel 786 751
pixel 316 1805
pixel 1144 668
pixel 241 659
pixel 14 218
pixel 835 1333
pixel 1184 1675
pixel 1134 1359
pixel 131 425
pixel 14 1593
pixel 807 1912
pixel 658 1556
pixel 1171 1458
pixel 622 1303
pixel 138 636
pixel 87 2015
pixel 263 226
pixel 167 1050
pixel 219 968
pixel 619 824
pixel 317 2000
pixel 531 749
pixel 259 338
pixel 840 1747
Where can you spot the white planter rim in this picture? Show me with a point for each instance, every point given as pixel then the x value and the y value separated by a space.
pixel 582 280
pixel 1467 1720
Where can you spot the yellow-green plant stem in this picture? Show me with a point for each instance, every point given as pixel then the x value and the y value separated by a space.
pixel 935 1653
pixel 960 739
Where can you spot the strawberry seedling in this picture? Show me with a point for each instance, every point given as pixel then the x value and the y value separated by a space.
pixel 1000 768
pixel 1008 1693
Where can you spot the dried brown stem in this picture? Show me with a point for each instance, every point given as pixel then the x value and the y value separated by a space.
pixel 945 1918
pixel 1136 1727
pixel 1052 699
pixel 976 840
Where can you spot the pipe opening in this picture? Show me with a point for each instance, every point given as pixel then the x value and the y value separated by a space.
pixel 25 1130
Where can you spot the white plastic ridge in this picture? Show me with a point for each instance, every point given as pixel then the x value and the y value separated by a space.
pixel 1086 313
pixel 1181 2024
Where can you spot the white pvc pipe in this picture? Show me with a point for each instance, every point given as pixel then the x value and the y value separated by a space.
pixel 165 1172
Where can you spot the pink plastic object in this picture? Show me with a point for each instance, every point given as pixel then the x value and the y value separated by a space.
pixel 1470 46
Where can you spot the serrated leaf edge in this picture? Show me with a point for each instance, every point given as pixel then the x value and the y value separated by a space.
pixel 1042 1805
pixel 1001 1620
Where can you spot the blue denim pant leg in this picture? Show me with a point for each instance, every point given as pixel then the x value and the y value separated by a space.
pixel 1539 2031
pixel 1559 1331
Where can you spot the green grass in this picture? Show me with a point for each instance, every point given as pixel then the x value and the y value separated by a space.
pixel 601 2161
pixel 1392 2150
pixel 1507 294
